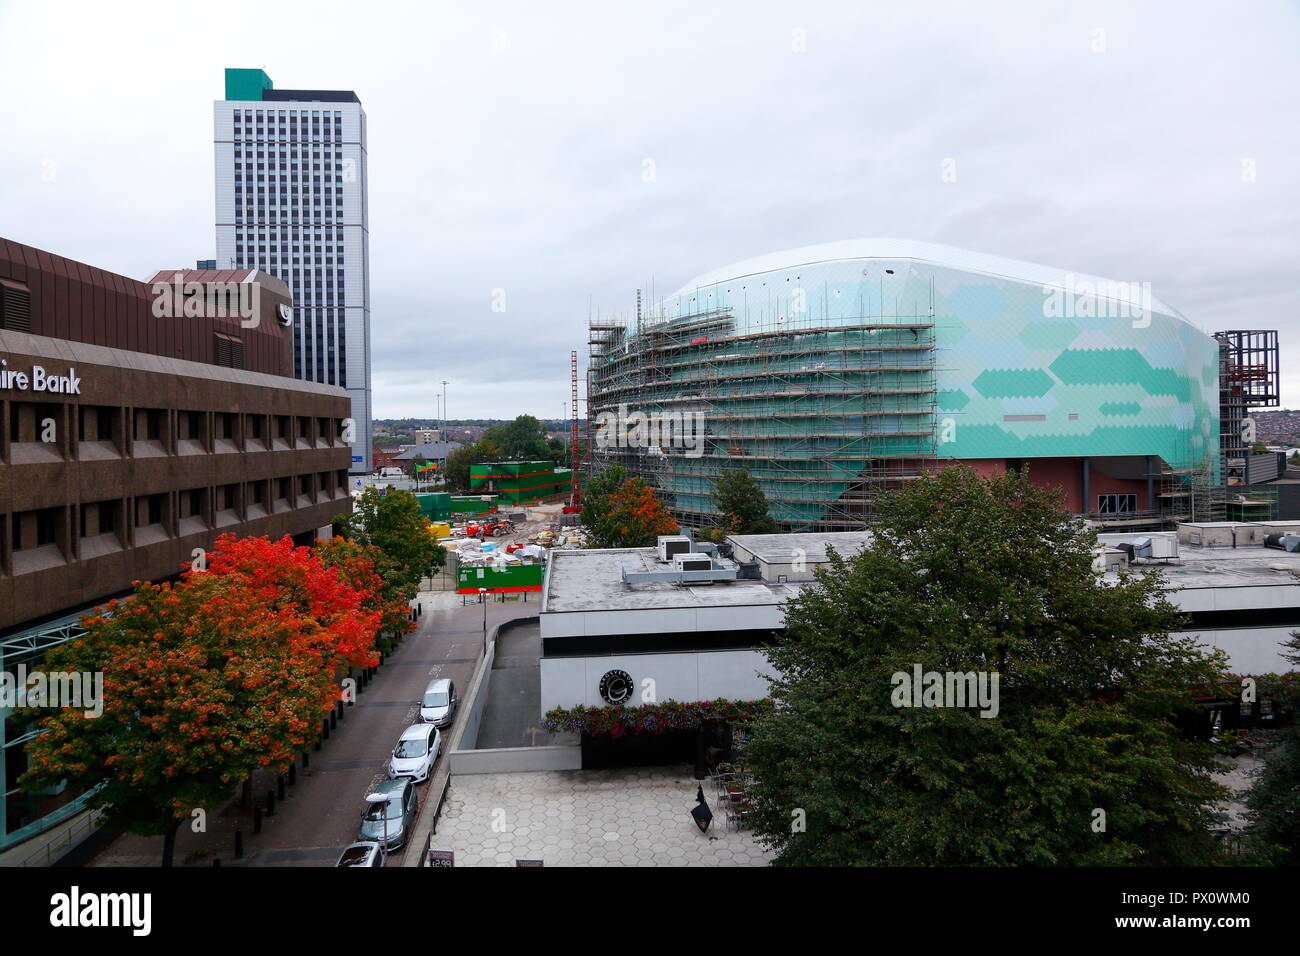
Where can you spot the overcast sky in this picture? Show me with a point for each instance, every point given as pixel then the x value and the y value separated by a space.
pixel 508 143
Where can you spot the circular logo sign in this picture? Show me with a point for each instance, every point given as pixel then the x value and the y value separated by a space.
pixel 616 686
pixel 285 314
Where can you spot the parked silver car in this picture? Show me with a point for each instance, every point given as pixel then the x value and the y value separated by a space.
pixel 361 854
pixel 438 705
pixel 400 811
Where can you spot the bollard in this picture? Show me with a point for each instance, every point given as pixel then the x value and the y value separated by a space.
pixel 239 844
pixel 216 861
pixel 245 794
pixel 270 803
pixel 318 742
pixel 257 820
pixel 293 773
pixel 306 759
pixel 333 721
pixel 279 787
pixel 326 729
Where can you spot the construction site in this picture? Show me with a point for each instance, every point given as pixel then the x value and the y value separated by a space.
pixel 822 416
pixel 831 378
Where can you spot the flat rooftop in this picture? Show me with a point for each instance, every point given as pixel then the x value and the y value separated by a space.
pixel 781 548
pixel 1248 567
pixel 592 580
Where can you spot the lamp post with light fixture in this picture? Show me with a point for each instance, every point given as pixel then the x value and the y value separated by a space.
pixel 374 799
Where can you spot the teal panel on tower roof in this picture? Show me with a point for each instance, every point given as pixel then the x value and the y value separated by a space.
pixel 246 84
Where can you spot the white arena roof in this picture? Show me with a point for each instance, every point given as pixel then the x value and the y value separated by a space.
pixel 929 252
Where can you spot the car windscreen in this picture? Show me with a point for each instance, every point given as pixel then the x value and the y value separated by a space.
pixel 394 810
pixel 417 747
pixel 357 856
pixel 438 699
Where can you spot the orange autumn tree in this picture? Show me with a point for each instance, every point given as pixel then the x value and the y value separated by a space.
pixel 339 599
pixel 205 681
pixel 358 565
pixel 636 517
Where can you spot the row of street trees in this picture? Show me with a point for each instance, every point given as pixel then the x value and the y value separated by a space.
pixel 230 669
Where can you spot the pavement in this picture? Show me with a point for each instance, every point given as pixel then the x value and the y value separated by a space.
pixel 625 817
pixel 1239 774
pixel 320 813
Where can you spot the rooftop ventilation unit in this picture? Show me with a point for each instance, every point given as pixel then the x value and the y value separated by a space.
pixel 1283 542
pixel 686 569
pixel 692 562
pixel 671 545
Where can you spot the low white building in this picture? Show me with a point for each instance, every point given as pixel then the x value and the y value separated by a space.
pixel 612 634
pixel 1242 595
pixel 625 626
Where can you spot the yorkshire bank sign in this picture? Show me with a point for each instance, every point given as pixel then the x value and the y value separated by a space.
pixel 36 379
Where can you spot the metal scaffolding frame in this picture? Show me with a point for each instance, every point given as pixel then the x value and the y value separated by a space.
pixel 823 414
pixel 1248 378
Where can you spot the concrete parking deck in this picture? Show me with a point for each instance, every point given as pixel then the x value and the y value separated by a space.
pixel 627 817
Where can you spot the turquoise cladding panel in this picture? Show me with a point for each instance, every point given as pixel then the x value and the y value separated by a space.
pixel 1023 370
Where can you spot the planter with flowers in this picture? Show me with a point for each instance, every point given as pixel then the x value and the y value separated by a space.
pixel 618 721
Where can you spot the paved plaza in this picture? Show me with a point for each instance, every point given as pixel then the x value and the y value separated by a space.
pixel 627 817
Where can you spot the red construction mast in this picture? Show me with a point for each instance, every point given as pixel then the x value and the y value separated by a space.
pixel 575 497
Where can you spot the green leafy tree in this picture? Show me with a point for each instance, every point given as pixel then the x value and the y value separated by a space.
pixel 557 451
pixel 525 438
pixel 392 523
pixel 596 495
pixel 972 576
pixel 458 462
pixel 742 504
pixel 1273 801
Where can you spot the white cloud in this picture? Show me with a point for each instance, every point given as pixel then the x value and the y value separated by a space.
pixel 521 167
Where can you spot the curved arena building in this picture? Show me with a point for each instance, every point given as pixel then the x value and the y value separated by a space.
pixel 834 371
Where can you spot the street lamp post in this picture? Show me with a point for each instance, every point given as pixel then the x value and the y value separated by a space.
pixel 444 409
pixel 482 596
pixel 374 799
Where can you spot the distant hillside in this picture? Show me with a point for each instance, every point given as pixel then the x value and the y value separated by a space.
pixel 1278 424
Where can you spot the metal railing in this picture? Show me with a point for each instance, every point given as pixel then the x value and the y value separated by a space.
pixel 81 828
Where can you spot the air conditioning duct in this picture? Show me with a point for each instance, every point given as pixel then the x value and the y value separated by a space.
pixel 1282 542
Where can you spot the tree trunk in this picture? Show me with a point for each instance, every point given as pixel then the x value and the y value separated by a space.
pixel 169 843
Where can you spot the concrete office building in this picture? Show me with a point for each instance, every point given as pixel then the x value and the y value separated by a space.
pixel 141 421
pixel 292 200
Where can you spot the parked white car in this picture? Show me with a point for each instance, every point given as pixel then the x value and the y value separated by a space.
pixel 416 752
pixel 438 705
